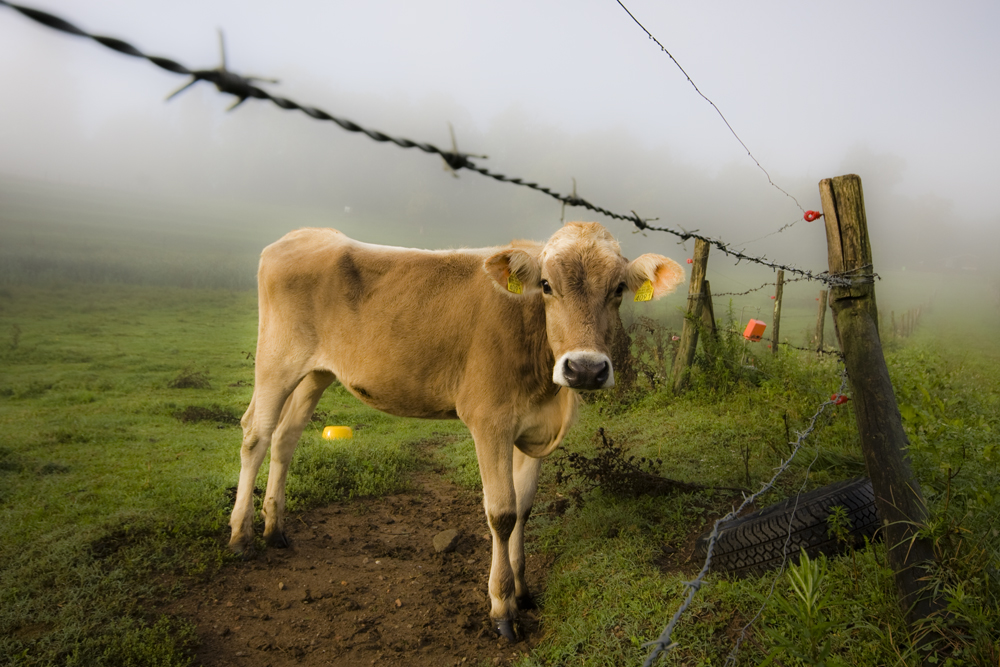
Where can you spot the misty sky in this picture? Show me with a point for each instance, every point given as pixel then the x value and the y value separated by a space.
pixel 903 93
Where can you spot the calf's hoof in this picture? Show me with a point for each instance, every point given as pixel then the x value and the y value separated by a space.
pixel 277 539
pixel 526 602
pixel 505 628
pixel 241 546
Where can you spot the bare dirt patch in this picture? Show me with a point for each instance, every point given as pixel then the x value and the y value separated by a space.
pixel 361 585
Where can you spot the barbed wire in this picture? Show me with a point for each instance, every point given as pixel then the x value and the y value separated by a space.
pixel 717 110
pixel 866 280
pixel 757 289
pixel 777 231
pixel 663 643
pixel 243 88
pixel 731 658
pixel 832 353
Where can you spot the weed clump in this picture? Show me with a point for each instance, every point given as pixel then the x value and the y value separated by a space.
pixel 618 473
pixel 190 379
pixel 328 471
pixel 214 413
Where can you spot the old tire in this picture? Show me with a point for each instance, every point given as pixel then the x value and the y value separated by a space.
pixel 756 542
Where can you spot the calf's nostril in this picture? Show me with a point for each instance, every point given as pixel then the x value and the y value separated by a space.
pixel 602 375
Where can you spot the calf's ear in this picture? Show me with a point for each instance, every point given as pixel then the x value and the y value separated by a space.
pixel 663 274
pixel 514 270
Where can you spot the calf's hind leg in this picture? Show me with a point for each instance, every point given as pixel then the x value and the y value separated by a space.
pixel 296 414
pixel 258 423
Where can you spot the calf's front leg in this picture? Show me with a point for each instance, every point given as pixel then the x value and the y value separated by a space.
pixel 495 454
pixel 525 469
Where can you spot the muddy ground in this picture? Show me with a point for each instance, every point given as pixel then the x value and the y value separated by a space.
pixel 362 584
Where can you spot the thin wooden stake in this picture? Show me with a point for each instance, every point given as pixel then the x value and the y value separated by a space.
pixel 821 320
pixel 708 311
pixel 695 305
pixel 710 343
pixel 775 333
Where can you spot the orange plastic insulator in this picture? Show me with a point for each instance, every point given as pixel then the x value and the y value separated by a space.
pixel 754 330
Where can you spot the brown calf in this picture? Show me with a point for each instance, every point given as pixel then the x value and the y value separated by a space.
pixel 489 336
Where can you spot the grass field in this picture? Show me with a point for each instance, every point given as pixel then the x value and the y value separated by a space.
pixel 107 494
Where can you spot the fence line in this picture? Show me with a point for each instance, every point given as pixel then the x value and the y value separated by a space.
pixel 243 88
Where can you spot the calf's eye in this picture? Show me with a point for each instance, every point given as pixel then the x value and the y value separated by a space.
pixel 620 290
pixel 546 287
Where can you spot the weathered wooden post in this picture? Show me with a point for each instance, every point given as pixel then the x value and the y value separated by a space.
pixel 695 305
pixel 708 311
pixel 710 343
pixel 821 320
pixel 883 440
pixel 777 311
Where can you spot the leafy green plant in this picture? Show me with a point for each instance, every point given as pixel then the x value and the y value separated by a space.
pixel 807 632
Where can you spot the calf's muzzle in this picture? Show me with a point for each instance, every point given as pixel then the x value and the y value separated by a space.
pixel 586 372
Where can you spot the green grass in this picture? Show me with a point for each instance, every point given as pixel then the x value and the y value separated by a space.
pixel 105 494
pixel 608 592
pixel 108 499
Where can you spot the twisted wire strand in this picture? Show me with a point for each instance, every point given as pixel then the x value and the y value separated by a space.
pixel 717 110
pixel 777 231
pixel 731 658
pixel 243 88
pixel 757 289
pixel 664 643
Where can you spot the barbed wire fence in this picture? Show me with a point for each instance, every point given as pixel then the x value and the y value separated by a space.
pixel 244 87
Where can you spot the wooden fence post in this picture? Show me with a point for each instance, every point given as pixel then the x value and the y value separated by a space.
pixel 710 343
pixel 821 320
pixel 777 311
pixel 695 305
pixel 708 311
pixel 883 440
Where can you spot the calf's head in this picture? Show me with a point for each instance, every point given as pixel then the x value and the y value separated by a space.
pixel 582 278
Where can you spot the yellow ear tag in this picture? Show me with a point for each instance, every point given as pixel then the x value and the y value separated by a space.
pixel 514 285
pixel 645 293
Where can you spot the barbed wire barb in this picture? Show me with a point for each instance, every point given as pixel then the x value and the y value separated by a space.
pixel 225 81
pixel 562 210
pixel 455 160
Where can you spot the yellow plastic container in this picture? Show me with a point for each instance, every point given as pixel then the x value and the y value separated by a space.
pixel 338 433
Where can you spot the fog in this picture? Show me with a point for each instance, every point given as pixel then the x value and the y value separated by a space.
pixel 902 94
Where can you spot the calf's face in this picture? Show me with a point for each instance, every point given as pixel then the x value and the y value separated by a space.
pixel 583 278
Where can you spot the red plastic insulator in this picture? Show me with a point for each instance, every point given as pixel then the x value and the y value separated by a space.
pixel 839 399
pixel 812 215
pixel 690 261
